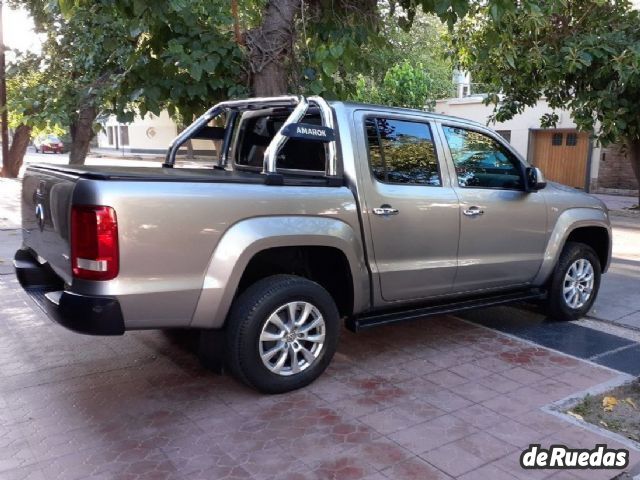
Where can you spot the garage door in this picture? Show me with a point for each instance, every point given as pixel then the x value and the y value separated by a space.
pixel 562 155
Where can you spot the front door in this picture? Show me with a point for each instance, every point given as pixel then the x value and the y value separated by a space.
pixel 502 227
pixel 409 206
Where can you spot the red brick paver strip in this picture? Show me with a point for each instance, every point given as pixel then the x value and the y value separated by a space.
pixel 436 399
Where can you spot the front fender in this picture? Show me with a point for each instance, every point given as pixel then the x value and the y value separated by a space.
pixel 567 222
pixel 245 239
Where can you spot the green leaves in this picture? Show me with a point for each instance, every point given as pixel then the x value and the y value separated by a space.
pixel 583 56
pixel 403 85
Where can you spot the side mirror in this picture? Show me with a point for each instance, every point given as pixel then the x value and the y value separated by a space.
pixel 535 179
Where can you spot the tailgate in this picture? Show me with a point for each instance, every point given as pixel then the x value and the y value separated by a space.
pixel 46 205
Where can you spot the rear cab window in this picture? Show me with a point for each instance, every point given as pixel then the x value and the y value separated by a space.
pixel 402 152
pixel 254 132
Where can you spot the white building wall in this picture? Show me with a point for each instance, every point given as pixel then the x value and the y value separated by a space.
pixel 148 134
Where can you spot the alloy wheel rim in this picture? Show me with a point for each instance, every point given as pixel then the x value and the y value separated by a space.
pixel 578 283
pixel 292 338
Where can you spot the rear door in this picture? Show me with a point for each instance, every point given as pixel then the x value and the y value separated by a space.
pixel 409 205
pixel 502 227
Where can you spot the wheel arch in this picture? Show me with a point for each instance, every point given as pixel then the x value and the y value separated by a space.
pixel 243 250
pixel 584 225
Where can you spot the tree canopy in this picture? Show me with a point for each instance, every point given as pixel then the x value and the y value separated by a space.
pixel 125 57
pixel 583 56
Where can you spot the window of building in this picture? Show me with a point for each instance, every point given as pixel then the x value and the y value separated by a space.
pixel 482 162
pixel 572 139
pixel 124 135
pixel 556 139
pixel 110 135
pixel 506 134
pixel 402 152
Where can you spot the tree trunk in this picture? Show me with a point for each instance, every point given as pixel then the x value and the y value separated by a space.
pixel 189 146
pixel 81 134
pixel 18 148
pixel 634 157
pixel 269 48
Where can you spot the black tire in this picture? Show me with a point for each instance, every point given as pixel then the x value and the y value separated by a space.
pixel 251 312
pixel 557 306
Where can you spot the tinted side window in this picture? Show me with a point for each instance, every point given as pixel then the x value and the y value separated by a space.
pixel 402 152
pixel 482 162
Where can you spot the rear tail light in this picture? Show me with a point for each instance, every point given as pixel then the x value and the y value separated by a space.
pixel 94 242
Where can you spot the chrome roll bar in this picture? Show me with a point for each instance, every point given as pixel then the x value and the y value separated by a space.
pixel 271 153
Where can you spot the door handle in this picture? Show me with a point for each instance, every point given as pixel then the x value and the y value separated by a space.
pixel 385 210
pixel 473 211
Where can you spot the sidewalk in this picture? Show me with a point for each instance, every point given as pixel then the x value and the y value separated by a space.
pixel 10 237
pixel 618 203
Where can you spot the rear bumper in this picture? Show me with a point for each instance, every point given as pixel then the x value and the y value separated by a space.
pixel 91 315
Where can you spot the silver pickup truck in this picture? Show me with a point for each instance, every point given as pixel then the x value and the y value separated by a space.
pixel 311 212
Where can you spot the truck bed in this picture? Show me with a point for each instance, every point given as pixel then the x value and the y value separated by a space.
pixel 159 174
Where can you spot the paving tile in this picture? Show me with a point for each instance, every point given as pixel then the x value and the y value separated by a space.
pixel 358 406
pixel 344 466
pixel 101 463
pixel 419 367
pixel 470 371
pixel 389 420
pixel 479 416
pixel 380 454
pixel 31 472
pixel 468 453
pixel 475 392
pixel 510 405
pixel 513 432
pixel 433 433
pixel 487 472
pixel 447 400
pixel 405 414
pixel 511 464
pixel 445 378
pixel 542 422
pixel 499 383
pixel 415 469
pixel 493 363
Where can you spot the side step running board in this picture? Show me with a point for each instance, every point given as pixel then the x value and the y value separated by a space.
pixel 387 317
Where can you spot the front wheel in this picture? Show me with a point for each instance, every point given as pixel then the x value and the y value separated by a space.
pixel 281 333
pixel 574 284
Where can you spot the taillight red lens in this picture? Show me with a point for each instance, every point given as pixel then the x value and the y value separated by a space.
pixel 94 242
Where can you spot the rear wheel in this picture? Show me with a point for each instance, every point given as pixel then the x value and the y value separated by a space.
pixel 282 333
pixel 574 284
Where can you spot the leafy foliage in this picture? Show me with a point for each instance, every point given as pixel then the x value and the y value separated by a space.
pixel 404 85
pixel 584 56
pixel 28 102
pixel 129 56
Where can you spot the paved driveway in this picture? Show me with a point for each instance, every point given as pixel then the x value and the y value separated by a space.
pixel 439 398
